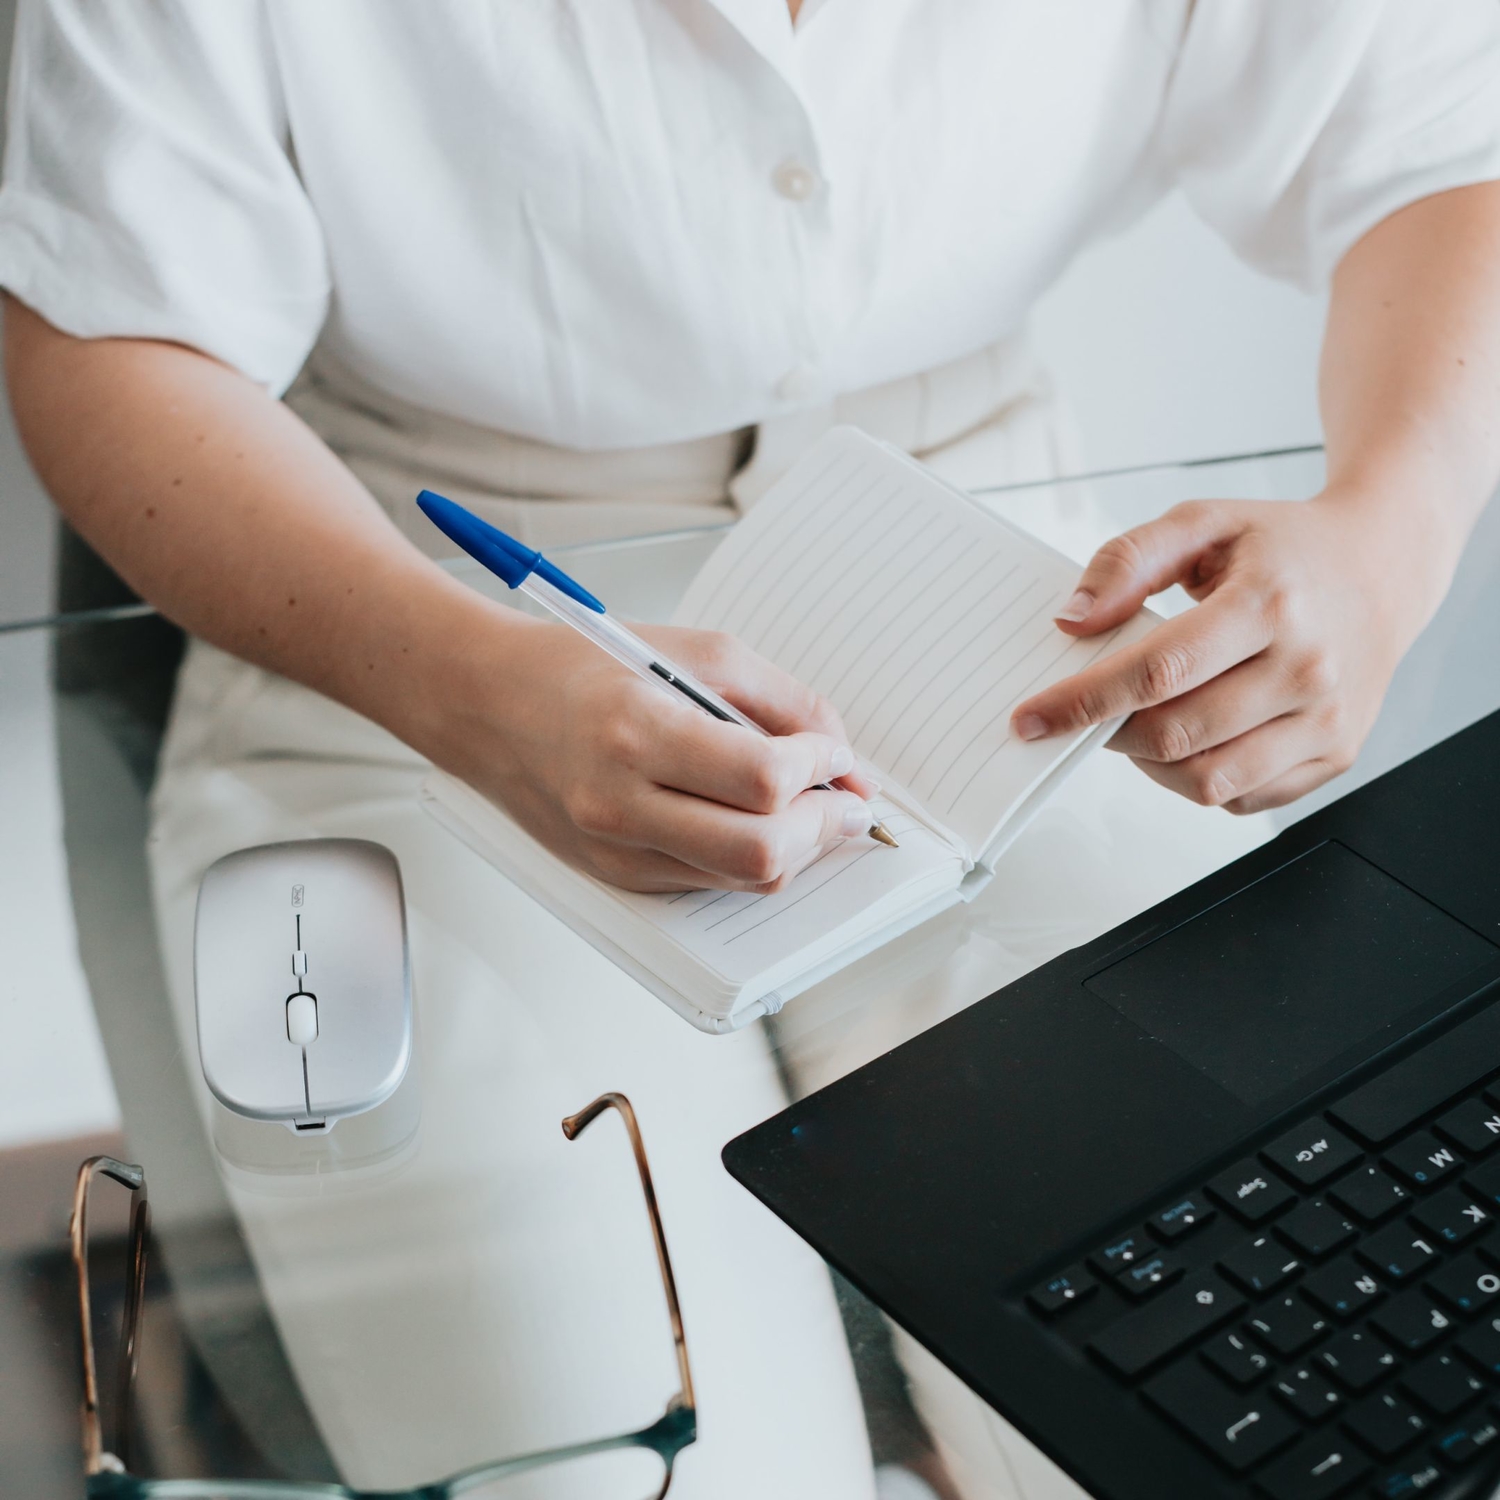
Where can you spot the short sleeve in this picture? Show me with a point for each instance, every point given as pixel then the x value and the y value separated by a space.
pixel 1295 126
pixel 148 188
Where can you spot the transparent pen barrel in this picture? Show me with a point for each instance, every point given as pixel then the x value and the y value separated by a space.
pixel 626 647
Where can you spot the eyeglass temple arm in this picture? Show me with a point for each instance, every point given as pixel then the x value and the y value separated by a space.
pixel 134 1178
pixel 573 1127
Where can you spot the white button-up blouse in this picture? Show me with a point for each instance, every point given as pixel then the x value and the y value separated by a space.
pixel 603 223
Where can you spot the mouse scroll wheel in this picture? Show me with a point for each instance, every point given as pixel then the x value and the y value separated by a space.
pixel 299 962
pixel 302 1020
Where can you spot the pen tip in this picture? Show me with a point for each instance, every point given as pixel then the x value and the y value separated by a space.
pixel 881 836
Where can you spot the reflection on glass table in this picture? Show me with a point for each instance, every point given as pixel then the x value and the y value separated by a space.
pixel 486 1293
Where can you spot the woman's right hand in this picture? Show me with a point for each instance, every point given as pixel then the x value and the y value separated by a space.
pixel 218 505
pixel 640 789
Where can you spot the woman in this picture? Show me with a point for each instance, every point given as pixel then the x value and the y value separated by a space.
pixel 601 269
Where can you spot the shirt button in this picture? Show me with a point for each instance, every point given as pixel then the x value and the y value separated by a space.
pixel 798 384
pixel 795 180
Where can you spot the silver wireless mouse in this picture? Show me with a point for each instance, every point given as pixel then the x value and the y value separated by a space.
pixel 303 980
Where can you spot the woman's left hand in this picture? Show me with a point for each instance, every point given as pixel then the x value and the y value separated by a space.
pixel 1271 684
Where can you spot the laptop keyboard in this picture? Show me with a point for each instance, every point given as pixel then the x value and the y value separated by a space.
pixel 1324 1316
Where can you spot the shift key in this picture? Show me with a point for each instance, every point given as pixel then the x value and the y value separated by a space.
pixel 1140 1339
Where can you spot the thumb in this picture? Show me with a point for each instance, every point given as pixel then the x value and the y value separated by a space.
pixel 1143 561
pixel 816 757
pixel 832 761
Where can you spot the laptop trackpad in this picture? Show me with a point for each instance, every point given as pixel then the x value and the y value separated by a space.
pixel 1293 972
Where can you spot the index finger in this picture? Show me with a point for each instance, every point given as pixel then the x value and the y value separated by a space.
pixel 727 763
pixel 757 687
pixel 1180 654
pixel 793 711
pixel 761 690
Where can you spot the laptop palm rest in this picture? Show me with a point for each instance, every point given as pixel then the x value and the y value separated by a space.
pixel 1016 1128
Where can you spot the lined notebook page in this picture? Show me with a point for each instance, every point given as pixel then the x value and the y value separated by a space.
pixel 923 619
pixel 742 935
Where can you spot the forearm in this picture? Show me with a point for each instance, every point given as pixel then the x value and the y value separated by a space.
pixel 223 509
pixel 1270 686
pixel 219 506
pixel 1410 378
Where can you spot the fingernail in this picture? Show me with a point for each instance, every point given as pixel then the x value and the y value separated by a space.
pixel 1030 727
pixel 842 763
pixel 856 820
pixel 1077 608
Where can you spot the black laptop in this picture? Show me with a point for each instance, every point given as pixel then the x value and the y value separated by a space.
pixel 1208 1207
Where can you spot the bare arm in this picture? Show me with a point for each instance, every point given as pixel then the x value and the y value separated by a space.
pixel 1271 685
pixel 220 506
pixel 217 504
pixel 1410 377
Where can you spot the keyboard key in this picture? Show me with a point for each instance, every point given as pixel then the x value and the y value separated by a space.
pixel 1481 1347
pixel 1397 1253
pixel 1442 1385
pixel 1260 1265
pixel 1466 1284
pixel 1251 1191
pixel 1141 1339
pixel 1319 1468
pixel 1422 1159
pixel 1385 1424
pixel 1312 1153
pixel 1412 1321
pixel 1357 1361
pixel 1184 1216
pixel 1235 1359
pixel 1122 1251
pixel 1369 1194
pixel 1474 1127
pixel 1344 1288
pixel 1316 1229
pixel 1308 1394
pixel 1415 1477
pixel 1484 1183
pixel 1064 1290
pixel 1463 1444
pixel 1391 1104
pixel 1452 1216
pixel 1147 1277
pixel 1239 1428
pixel 1288 1326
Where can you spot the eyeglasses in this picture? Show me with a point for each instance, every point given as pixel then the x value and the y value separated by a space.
pixel 632 1466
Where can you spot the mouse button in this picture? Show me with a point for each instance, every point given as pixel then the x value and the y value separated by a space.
pixel 364 1038
pixel 242 1042
pixel 336 1088
pixel 302 1019
pixel 249 1064
pixel 356 946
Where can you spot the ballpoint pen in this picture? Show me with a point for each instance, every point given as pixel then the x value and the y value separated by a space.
pixel 522 568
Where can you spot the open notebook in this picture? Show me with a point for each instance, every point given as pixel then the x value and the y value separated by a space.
pixel 924 619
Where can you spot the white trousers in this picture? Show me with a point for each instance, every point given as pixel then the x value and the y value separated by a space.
pixel 496 1292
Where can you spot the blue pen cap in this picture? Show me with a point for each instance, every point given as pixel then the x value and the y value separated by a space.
pixel 503 555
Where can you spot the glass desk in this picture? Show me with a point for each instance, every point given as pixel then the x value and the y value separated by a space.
pixel 485 1288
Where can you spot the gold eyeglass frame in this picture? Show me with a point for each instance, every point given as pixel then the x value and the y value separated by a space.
pixel 107 1470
